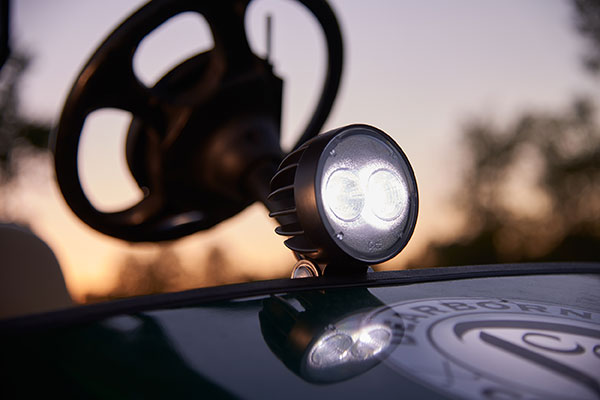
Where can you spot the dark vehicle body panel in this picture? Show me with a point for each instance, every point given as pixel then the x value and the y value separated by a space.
pixel 231 341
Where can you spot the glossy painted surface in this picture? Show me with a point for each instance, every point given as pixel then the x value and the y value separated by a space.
pixel 498 337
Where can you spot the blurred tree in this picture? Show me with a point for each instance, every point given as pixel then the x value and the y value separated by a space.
pixel 18 135
pixel 163 272
pixel 587 20
pixel 141 276
pixel 531 192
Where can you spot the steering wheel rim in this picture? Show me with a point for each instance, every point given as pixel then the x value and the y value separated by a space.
pixel 150 219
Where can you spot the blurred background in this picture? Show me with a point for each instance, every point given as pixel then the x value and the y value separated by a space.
pixel 495 104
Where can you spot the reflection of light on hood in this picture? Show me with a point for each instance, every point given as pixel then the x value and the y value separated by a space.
pixel 372 342
pixel 337 346
pixel 352 345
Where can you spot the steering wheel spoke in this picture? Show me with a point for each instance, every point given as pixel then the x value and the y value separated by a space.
pixel 232 51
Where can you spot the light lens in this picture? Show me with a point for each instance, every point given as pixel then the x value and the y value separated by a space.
pixel 343 194
pixel 331 350
pixel 370 343
pixel 367 193
pixel 387 195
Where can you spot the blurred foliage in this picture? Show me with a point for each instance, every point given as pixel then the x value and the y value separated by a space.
pixel 19 136
pixel 163 272
pixel 531 192
pixel 139 276
pixel 587 20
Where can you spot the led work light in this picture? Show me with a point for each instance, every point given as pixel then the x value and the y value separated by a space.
pixel 347 197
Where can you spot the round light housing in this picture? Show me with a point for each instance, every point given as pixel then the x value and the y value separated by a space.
pixel 347 196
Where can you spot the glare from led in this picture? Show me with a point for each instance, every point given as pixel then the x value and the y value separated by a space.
pixel 331 350
pixel 371 342
pixel 387 196
pixel 344 195
pixel 350 345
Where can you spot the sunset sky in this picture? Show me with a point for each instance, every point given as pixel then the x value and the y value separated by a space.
pixel 417 70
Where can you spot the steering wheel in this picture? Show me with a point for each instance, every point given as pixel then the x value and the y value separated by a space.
pixel 197 135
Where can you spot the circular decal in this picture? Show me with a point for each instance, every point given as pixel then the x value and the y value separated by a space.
pixel 500 349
